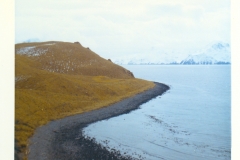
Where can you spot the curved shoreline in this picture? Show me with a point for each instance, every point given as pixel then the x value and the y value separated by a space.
pixel 62 139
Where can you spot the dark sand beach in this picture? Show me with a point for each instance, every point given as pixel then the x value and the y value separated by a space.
pixel 62 139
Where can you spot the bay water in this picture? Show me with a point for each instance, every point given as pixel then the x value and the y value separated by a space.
pixel 190 121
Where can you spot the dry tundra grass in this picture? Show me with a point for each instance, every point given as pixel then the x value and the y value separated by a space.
pixel 58 79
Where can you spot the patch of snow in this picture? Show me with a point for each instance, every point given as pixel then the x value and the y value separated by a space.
pixel 19 78
pixel 31 51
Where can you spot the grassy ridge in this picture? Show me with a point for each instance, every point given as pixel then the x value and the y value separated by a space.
pixel 66 58
pixel 46 90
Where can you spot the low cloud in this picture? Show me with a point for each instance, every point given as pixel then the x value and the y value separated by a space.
pixel 125 27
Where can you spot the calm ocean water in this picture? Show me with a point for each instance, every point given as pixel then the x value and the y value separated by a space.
pixel 191 121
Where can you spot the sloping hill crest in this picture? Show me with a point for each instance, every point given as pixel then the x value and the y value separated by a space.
pixel 67 58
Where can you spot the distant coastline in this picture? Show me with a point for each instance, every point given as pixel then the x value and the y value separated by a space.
pixel 214 54
pixel 174 64
pixel 62 139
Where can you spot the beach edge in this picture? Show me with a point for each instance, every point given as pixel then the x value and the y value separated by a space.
pixel 62 139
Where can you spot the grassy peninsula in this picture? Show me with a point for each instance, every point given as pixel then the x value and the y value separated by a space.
pixel 58 79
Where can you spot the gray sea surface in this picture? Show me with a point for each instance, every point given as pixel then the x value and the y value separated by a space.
pixel 191 121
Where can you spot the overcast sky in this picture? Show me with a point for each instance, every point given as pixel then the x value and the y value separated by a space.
pixel 114 28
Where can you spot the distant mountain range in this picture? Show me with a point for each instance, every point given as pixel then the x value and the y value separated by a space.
pixel 31 40
pixel 216 53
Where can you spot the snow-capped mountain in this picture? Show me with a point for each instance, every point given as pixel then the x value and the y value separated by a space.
pixel 218 53
pixel 215 53
pixel 145 59
pixel 31 40
pixel 199 59
pixel 153 58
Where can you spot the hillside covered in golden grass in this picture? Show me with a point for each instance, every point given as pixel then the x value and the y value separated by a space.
pixel 58 79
